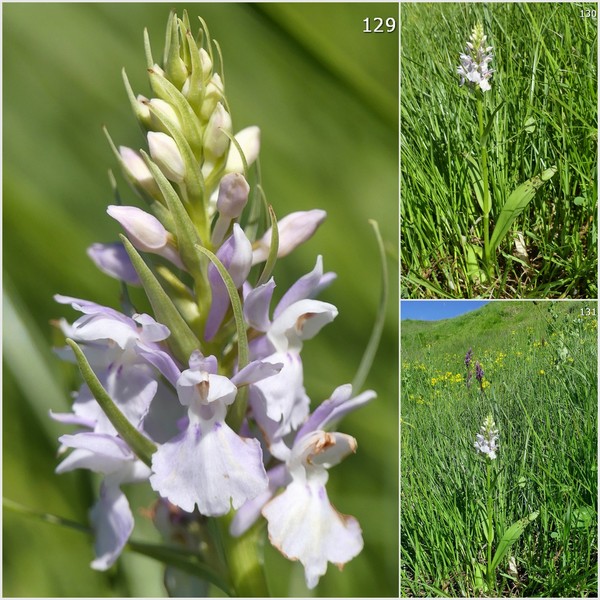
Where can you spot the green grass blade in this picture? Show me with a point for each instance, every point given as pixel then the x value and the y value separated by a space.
pixel 371 349
pixel 43 516
pixel 141 445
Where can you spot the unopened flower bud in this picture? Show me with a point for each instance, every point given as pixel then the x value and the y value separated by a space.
pixel 233 195
pixel 294 229
pixel 145 232
pixel 166 155
pixel 215 141
pixel 137 169
pixel 212 95
pixel 159 109
pixel 249 141
pixel 142 112
pixel 206 63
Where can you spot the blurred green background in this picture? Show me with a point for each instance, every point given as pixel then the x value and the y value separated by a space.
pixel 325 97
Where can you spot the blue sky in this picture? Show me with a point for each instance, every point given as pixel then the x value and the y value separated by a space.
pixel 435 310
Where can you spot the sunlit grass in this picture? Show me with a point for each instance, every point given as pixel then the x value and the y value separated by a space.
pixel 545 78
pixel 540 365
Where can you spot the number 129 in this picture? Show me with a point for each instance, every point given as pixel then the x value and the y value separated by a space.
pixel 379 25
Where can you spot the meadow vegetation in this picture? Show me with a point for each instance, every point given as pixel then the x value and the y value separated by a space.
pixel 540 384
pixel 544 89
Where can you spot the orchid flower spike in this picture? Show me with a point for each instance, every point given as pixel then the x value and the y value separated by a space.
pixel 474 63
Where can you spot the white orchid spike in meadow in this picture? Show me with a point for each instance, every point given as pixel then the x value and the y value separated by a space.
pixel 487 440
pixel 474 63
pixel 204 400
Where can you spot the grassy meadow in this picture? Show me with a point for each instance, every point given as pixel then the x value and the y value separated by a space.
pixel 540 385
pixel 542 112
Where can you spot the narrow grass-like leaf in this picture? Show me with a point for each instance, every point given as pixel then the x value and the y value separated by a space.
pixel 515 204
pixel 238 410
pixel 488 127
pixel 273 249
pixel 185 560
pixel 512 534
pixel 43 516
pixel 474 169
pixel 371 350
pixel 473 269
pixel 182 340
pixel 141 445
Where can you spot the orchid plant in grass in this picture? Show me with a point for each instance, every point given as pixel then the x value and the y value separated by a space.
pixel 487 445
pixel 204 399
pixel 476 74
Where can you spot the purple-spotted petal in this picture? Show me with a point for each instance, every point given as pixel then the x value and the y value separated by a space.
pixel 300 321
pixel 250 511
pixel 304 526
pixel 210 466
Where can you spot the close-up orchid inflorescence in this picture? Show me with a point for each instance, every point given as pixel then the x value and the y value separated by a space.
pixel 204 399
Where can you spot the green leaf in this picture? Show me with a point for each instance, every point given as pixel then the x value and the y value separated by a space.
pixel 43 516
pixel 273 249
pixel 582 517
pixel 511 535
pixel 189 562
pixel 186 560
pixel 238 410
pixel 173 65
pixel 474 169
pixel 490 123
pixel 185 231
pixel 141 445
pixel 477 578
pixel 516 204
pixel 371 350
pixel 181 341
pixel 474 271
pixel 529 126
